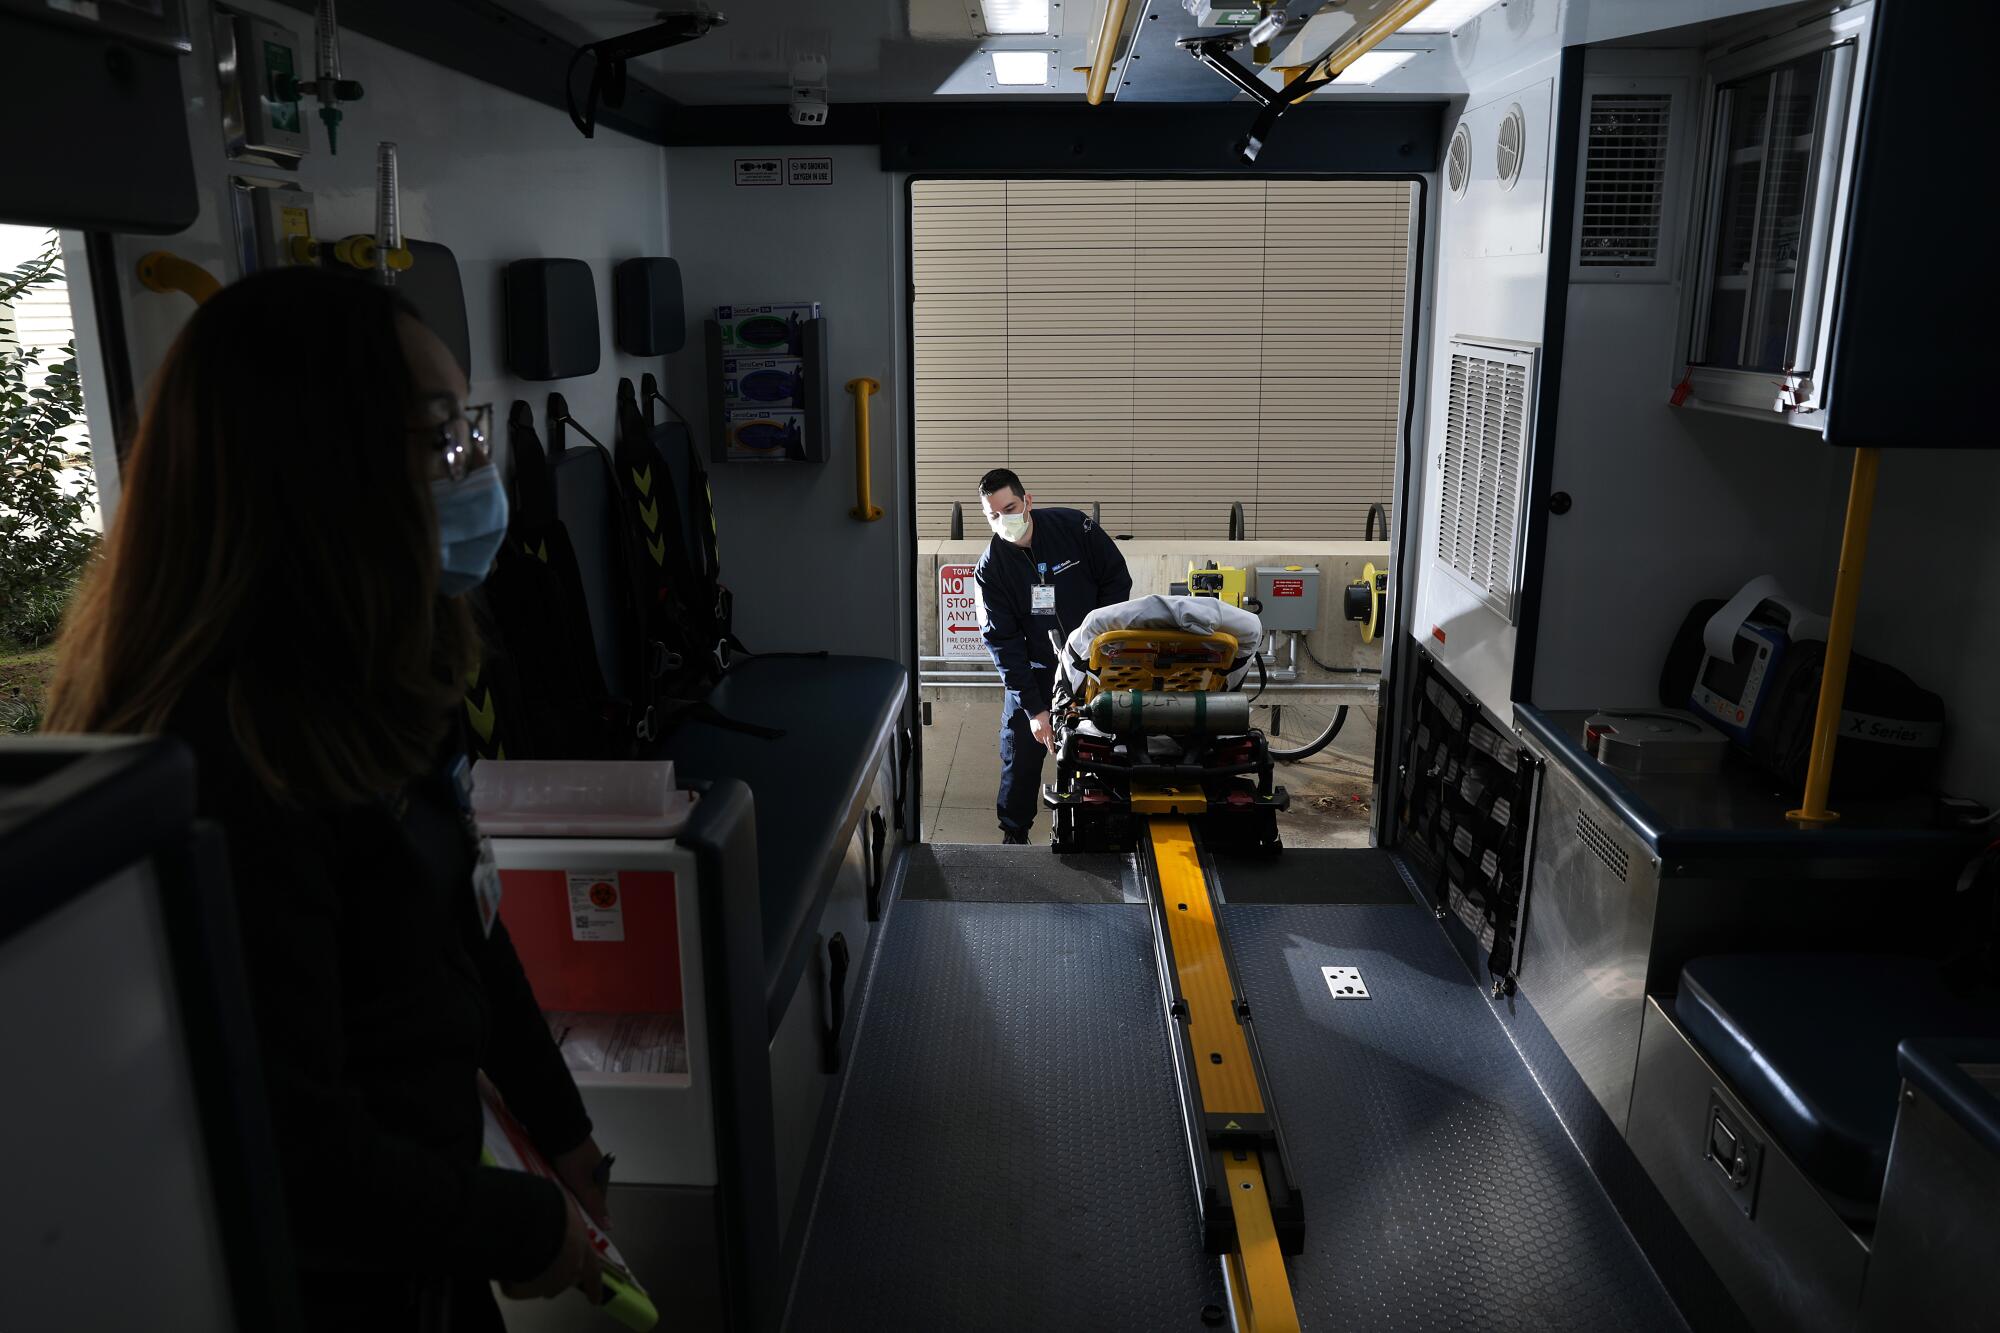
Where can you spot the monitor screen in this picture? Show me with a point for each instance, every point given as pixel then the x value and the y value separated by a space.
pixel 1727 679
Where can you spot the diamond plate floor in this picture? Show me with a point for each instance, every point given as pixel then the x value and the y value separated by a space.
pixel 1441 1191
pixel 1008 1153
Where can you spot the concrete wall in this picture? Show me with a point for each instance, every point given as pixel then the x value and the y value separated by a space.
pixel 1157 564
pixel 806 573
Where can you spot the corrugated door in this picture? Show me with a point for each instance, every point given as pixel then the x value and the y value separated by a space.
pixel 1163 348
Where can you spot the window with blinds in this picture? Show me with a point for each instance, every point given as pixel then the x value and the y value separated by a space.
pixel 1162 349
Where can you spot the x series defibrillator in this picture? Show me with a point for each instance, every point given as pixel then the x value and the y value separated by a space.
pixel 1752 667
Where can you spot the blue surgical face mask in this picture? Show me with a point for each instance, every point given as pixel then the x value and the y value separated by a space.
pixel 472 522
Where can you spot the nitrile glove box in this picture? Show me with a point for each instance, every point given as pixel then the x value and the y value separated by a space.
pixel 760 383
pixel 760 434
pixel 769 330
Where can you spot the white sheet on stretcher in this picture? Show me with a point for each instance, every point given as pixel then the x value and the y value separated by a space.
pixel 1197 615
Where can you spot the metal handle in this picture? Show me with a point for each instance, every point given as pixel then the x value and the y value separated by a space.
pixel 836 984
pixel 862 389
pixel 163 271
pixel 1107 46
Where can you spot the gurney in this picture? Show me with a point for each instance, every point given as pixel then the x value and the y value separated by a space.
pixel 1150 719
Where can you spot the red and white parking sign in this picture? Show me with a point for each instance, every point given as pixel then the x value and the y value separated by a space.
pixel 958 615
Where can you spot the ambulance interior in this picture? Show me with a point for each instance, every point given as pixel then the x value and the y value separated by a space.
pixel 1535 865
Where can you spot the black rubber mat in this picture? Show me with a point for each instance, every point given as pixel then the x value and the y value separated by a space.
pixel 1008 1153
pixel 1441 1191
pixel 1030 874
pixel 1313 875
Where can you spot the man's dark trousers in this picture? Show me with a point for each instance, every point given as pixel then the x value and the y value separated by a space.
pixel 1021 760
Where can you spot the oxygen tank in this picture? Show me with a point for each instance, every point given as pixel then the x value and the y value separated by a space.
pixel 1169 712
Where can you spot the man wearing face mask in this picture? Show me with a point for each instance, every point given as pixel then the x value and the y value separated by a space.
pixel 1043 572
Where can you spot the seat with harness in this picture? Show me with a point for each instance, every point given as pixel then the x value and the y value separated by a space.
pixel 1150 719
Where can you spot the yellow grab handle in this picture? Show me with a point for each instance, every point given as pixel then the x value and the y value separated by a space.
pixel 163 271
pixel 862 389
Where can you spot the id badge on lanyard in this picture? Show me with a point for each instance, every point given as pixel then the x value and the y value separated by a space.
pixel 485 869
pixel 1042 599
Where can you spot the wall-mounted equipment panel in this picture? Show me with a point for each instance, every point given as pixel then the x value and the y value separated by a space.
pixel 259 67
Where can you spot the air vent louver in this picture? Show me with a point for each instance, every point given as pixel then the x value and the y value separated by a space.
pixel 1602 845
pixel 1624 180
pixel 1487 429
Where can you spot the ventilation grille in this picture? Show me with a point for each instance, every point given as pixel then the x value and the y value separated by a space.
pixel 1601 845
pixel 1624 180
pixel 1487 427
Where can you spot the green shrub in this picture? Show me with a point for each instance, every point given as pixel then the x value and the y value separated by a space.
pixel 46 483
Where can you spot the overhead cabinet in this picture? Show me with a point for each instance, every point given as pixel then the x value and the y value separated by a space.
pixel 1780 132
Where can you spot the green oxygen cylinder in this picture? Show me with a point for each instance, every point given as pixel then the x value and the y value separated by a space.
pixel 1169 712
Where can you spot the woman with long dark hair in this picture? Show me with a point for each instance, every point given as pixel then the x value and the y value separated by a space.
pixel 306 500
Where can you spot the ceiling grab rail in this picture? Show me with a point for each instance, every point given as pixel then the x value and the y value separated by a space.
pixel 1107 46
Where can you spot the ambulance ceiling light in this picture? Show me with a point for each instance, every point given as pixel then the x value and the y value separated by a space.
pixel 1013 17
pixel 1373 65
pixel 1447 15
pixel 1020 68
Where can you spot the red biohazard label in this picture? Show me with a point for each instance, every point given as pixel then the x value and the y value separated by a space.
pixel 603 896
pixel 1288 587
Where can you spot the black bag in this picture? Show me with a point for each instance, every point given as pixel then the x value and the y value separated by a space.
pixel 1891 728
pixel 539 667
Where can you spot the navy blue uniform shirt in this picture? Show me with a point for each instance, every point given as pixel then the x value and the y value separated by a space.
pixel 1069 553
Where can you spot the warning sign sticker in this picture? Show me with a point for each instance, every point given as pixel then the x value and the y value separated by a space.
pixel 1288 587
pixel 596 906
pixel 958 615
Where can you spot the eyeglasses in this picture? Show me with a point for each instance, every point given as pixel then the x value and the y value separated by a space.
pixel 465 440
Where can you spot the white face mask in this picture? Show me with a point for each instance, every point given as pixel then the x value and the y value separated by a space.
pixel 1010 527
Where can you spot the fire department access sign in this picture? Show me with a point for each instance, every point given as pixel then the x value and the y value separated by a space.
pixel 958 615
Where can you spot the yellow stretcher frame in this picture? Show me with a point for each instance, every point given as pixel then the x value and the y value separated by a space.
pixel 1159 659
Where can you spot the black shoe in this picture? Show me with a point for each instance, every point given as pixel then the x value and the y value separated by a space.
pixel 1013 837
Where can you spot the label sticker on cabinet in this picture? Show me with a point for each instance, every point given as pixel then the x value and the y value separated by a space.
pixel 596 906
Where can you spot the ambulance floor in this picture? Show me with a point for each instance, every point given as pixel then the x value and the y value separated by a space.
pixel 1330 791
pixel 1008 1153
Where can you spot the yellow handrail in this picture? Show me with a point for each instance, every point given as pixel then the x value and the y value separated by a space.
pixel 1839 641
pixel 862 389
pixel 1107 46
pixel 163 271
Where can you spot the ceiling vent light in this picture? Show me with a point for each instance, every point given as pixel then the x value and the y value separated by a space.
pixel 1020 68
pixel 1373 65
pixel 1447 15
pixel 1013 18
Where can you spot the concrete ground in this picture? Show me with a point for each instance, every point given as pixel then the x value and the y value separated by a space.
pixel 1332 792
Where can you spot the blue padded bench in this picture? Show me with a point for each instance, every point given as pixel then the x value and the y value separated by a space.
pixel 1808 1041
pixel 810 785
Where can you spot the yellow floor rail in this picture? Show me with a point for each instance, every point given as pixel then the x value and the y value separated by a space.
pixel 1226 1074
